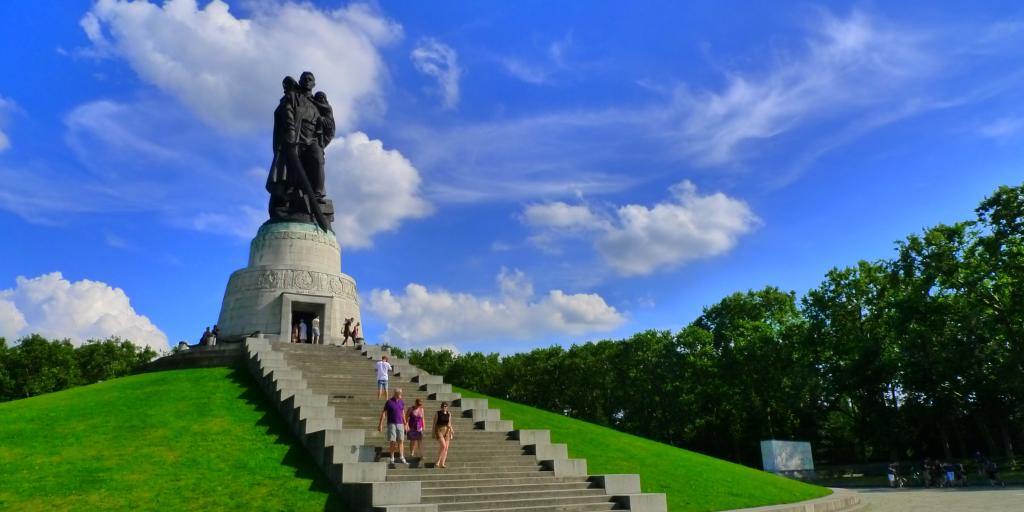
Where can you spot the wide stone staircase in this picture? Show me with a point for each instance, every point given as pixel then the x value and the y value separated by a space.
pixel 328 395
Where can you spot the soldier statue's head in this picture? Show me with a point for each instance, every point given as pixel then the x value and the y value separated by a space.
pixel 289 84
pixel 307 81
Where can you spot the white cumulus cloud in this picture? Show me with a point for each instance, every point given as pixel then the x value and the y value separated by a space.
pixel 560 215
pixel 82 310
pixel 373 189
pixel 425 317
pixel 638 240
pixel 438 60
pixel 225 68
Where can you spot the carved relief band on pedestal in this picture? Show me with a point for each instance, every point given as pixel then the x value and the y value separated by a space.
pixel 303 281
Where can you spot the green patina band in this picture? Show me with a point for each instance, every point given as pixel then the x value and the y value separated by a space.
pixel 295 230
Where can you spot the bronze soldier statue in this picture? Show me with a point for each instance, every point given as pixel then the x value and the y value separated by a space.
pixel 303 127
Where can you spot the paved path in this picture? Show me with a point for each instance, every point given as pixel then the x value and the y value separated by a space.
pixel 971 499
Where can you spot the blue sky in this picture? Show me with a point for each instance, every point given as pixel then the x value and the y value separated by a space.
pixel 508 175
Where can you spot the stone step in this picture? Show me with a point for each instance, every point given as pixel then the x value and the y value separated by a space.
pixel 453 456
pixel 465 441
pixel 478 501
pixel 499 488
pixel 490 469
pixel 521 463
pixel 584 507
pixel 489 461
pixel 368 422
pixel 440 476
pixel 466 469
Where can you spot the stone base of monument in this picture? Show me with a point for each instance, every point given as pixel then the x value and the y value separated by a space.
pixel 294 274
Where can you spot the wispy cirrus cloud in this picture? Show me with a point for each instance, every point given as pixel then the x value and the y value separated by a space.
pixel 439 61
pixel 844 78
pixel 848 66
pixel 6 106
pixel 1002 128
pixel 542 69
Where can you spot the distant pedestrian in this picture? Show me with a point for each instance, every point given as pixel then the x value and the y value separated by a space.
pixel 444 432
pixel 357 333
pixel 416 424
pixel 895 479
pixel 992 472
pixel 295 332
pixel 303 331
pixel 346 331
pixel 316 330
pixel 383 367
pixel 394 414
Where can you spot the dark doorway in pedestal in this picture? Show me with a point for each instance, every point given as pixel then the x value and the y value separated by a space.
pixel 304 313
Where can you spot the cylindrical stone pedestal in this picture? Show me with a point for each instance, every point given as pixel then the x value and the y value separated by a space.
pixel 294 272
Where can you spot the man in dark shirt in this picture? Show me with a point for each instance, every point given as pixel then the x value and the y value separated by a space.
pixel 398 425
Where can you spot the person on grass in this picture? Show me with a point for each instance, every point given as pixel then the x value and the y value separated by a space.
pixel 394 413
pixel 416 424
pixel 444 432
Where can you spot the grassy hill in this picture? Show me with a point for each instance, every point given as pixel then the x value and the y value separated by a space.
pixel 178 440
pixel 693 482
pixel 207 440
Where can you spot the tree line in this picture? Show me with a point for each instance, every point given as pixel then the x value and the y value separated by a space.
pixel 36 365
pixel 903 358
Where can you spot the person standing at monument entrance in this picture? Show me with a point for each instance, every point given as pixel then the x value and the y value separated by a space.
pixel 357 333
pixel 346 331
pixel 303 332
pixel 316 330
pixel 383 368
pixel 394 413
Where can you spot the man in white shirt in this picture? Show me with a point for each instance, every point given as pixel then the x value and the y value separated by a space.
pixel 316 330
pixel 383 368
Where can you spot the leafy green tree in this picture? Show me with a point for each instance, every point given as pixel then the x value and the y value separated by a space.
pixel 476 371
pixel 110 358
pixel 850 339
pixel 994 282
pixel 6 383
pixel 648 372
pixel 433 361
pixel 596 383
pixel 537 378
pixel 39 366
pixel 762 385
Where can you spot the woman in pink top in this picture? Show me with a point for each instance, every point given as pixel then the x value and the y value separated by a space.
pixel 416 428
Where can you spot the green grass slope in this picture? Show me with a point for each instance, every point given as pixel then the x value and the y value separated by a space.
pixel 178 440
pixel 693 482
